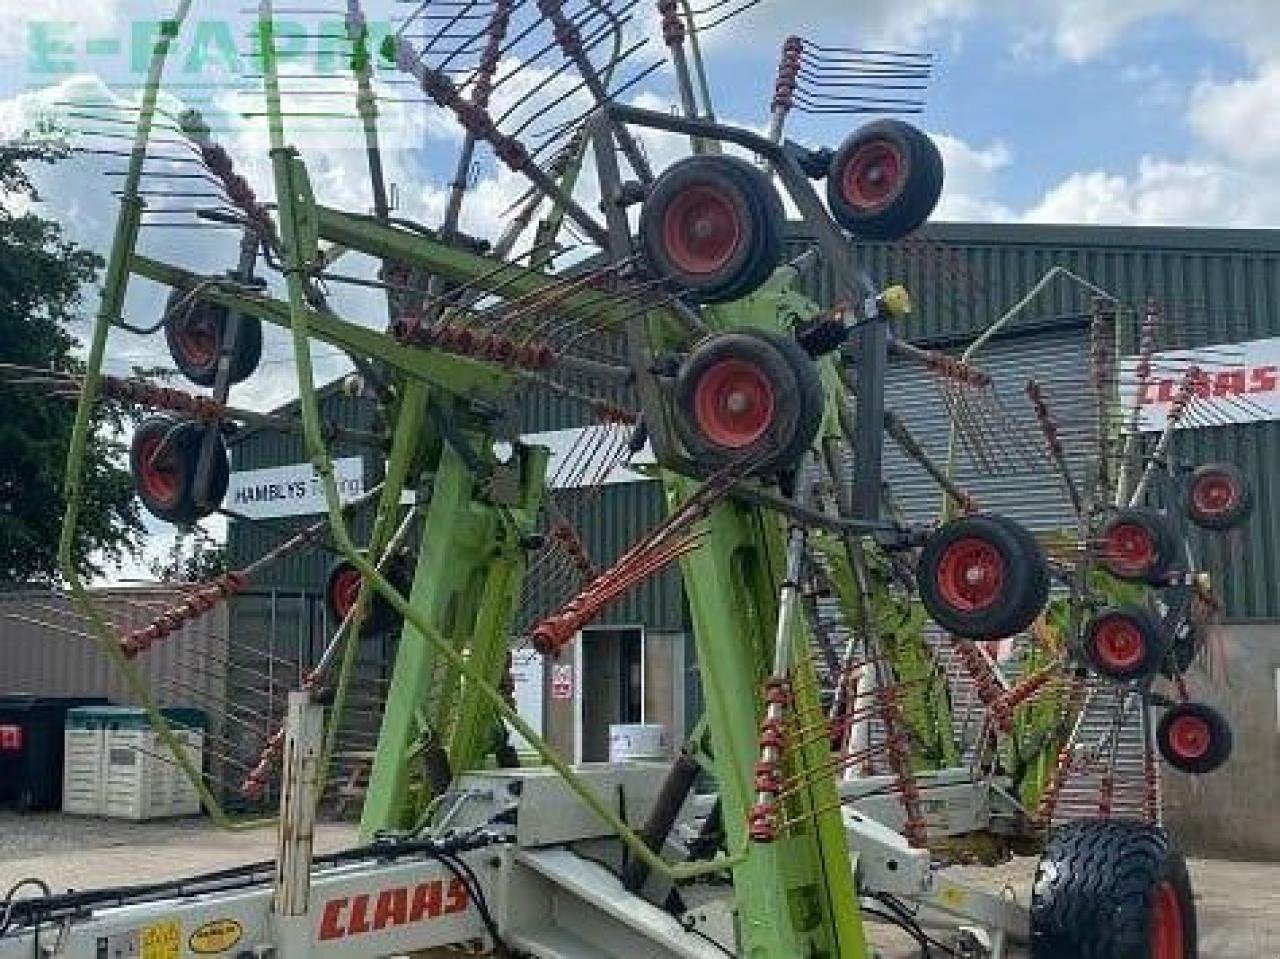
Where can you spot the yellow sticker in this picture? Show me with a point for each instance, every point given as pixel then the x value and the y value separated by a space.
pixel 953 896
pixel 218 935
pixel 161 940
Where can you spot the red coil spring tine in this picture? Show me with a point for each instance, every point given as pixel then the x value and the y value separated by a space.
pixel 673 30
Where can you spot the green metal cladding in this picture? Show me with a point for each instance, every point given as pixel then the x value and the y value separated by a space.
pixel 1223 285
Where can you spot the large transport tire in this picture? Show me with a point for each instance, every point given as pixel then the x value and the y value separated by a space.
pixel 1194 738
pixel 1112 890
pixel 1218 497
pixel 983 577
pixel 712 226
pixel 748 395
pixel 1125 643
pixel 884 181
pixel 164 458
pixel 194 330
pixel 1137 545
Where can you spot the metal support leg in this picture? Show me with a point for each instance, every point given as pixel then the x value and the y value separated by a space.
pixel 304 731
pixel 870 346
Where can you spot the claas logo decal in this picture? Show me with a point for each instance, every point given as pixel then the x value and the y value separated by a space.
pixel 1208 385
pixel 389 908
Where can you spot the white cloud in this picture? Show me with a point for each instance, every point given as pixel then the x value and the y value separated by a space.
pixel 1162 193
pixel 1240 119
pixel 41 31
pixel 971 186
pixel 874 22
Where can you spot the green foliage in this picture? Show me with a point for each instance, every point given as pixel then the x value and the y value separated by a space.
pixel 42 277
pixel 196 557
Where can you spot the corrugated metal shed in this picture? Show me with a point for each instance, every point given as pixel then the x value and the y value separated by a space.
pixel 1215 286
pixel 1219 286
pixel 46 649
pixel 964 275
pixel 260 448
pixel 1026 487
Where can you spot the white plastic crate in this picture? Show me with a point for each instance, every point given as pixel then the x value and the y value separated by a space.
pixel 184 800
pixel 117 765
pixel 83 781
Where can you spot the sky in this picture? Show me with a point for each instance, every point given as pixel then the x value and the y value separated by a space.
pixel 1158 112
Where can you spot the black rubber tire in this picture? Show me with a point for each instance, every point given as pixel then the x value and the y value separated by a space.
pixel 773 217
pixel 174 500
pixel 797 394
pixel 1162 538
pixel 201 367
pixel 759 212
pixel 1240 507
pixel 1154 644
pixel 905 210
pixel 1219 743
pixel 381 616
pixel 1097 888
pixel 1024 591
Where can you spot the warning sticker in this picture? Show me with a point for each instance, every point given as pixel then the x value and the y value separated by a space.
pixel 161 940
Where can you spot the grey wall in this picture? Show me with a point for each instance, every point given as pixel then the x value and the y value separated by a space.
pixel 59 659
pixel 1235 812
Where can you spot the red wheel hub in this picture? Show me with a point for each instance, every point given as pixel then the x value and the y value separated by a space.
pixel 345 591
pixel 873 176
pixel 1167 940
pixel 1215 494
pixel 1129 548
pixel 701 230
pixel 1190 737
pixel 971 574
pixel 160 475
pixel 1119 643
pixel 733 403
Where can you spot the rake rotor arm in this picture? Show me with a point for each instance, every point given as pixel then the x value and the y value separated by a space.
pixel 481 273
pixel 456 375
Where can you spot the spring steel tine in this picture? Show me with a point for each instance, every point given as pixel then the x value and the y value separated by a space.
pixel 551 135
pixel 867 52
pixel 589 44
pixel 1053 445
pixel 509 150
pixel 569 36
pixel 869 69
pixel 572 466
pixel 525 60
pixel 725 18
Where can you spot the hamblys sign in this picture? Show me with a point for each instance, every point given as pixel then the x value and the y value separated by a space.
pixel 292 490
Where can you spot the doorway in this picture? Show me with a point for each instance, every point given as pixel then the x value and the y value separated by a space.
pixel 611 690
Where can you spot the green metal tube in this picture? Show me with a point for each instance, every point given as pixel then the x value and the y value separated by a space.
pixel 296 204
pixel 115 286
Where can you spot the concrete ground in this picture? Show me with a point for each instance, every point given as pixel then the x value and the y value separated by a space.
pixel 1238 903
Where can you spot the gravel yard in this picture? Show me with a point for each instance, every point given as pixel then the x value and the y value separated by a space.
pixel 1238 903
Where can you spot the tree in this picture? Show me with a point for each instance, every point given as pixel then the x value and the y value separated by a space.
pixel 42 278
pixel 196 557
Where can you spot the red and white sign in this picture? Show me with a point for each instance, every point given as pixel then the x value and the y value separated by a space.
pixel 562 681
pixel 1231 383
